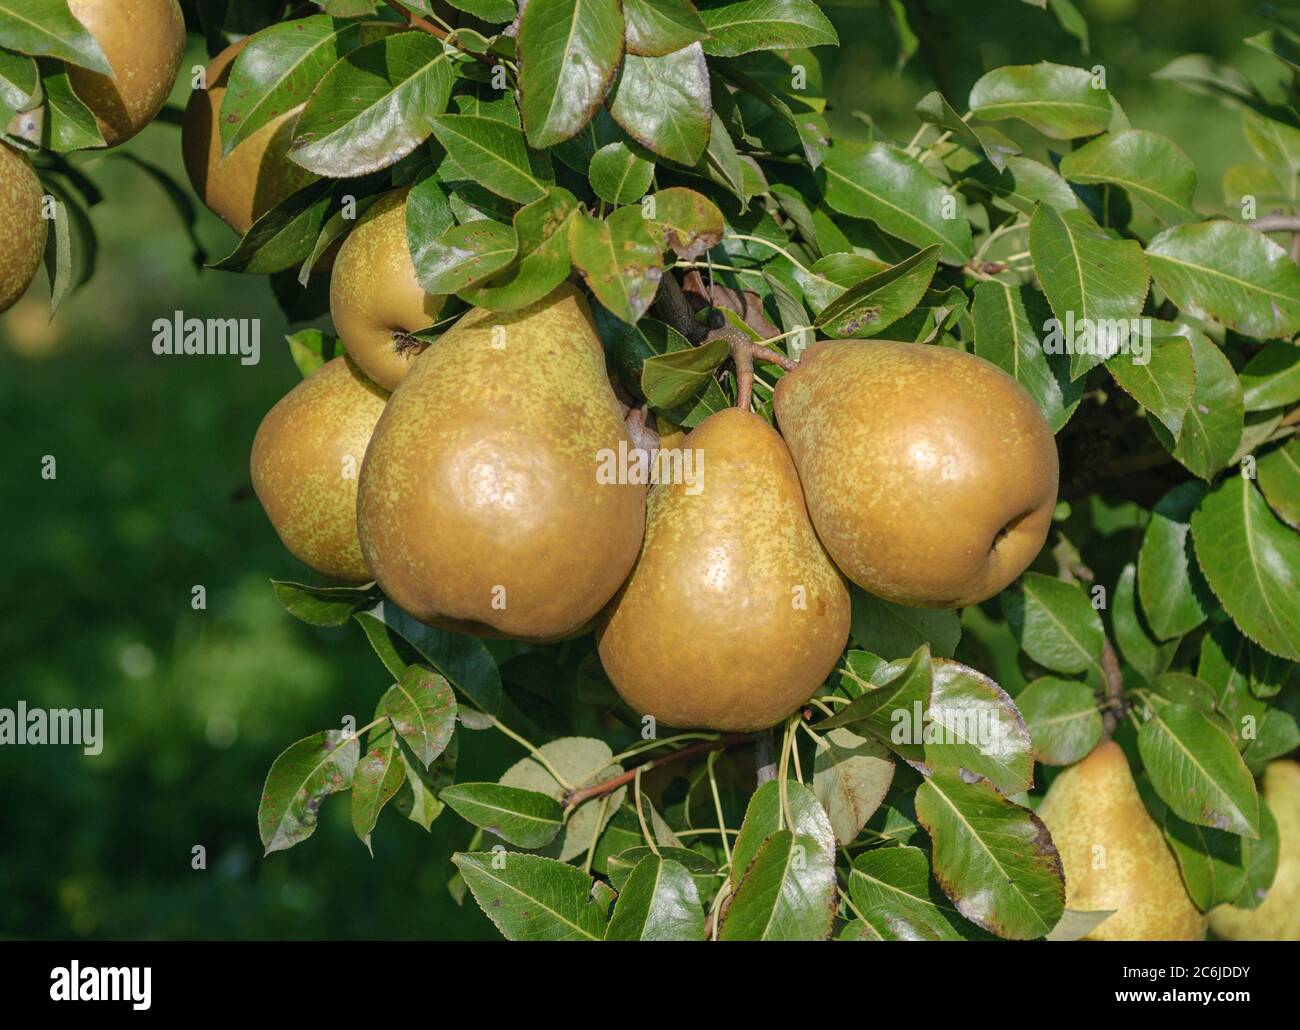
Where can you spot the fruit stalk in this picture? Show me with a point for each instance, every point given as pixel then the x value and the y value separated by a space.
pixel 573 798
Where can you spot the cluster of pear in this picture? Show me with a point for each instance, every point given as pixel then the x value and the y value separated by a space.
pixel 143 42
pixel 924 474
pixel 1115 857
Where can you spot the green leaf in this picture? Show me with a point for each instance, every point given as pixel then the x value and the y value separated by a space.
pixel 763 817
pixel 303 775
pixel 618 174
pixel 1054 623
pixel 541 230
pixel 788 893
pixel 1212 425
pixel 1252 563
pixel 69 124
pixel 1008 322
pixel 1197 771
pixel 1164 383
pixel 284 236
pixel 663 103
pixel 422 709
pixel 659 902
pixel 895 631
pixel 1133 637
pixel 1063 720
pixel 378 777
pixel 741 28
pixel 569 51
pixel 463 661
pixel 1278 473
pixel 1227 273
pixel 321 606
pixel 311 348
pixel 620 260
pixel 686 222
pixel 374 106
pixel 582 761
pixel 533 899
pixel 466 254
pixel 43 28
pixel 974 726
pixel 1271 378
pixel 886 700
pixel 1091 281
pixel 892 889
pixel 493 154
pixel 1149 166
pixel 1058 101
pixel 277 70
pixel 20 81
pixel 1024 184
pixel 851 775
pixel 417 798
pixel 881 299
pixel 621 865
pixel 981 140
pixel 526 818
pixel 659 27
pixel 670 379
pixel 994 859
pixel 1212 862
pixel 890 187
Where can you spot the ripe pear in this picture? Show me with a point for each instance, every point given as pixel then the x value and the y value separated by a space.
pixel 733 614
pixel 375 299
pixel 144 41
pixel 930 473
pixel 306 461
pixel 1278 917
pixel 242 186
pixel 481 507
pixel 25 229
pixel 1114 854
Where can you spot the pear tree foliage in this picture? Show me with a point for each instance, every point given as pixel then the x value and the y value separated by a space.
pixel 689 148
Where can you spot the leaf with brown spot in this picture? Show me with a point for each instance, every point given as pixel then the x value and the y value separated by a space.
pixel 301 778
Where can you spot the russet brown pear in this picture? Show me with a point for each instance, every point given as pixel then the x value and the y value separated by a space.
pixel 1278 916
pixel 733 614
pixel 246 183
pixel 25 229
pixel 930 473
pixel 1114 854
pixel 306 463
pixel 480 508
pixel 375 299
pixel 144 42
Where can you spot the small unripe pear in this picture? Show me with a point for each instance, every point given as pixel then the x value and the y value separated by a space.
pixel 25 229
pixel 306 463
pixel 242 186
pixel 1114 854
pixel 375 299
pixel 930 473
pixel 144 42
pixel 1278 916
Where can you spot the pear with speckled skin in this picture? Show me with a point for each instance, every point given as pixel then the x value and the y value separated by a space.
pixel 25 229
pixel 930 473
pixel 375 299
pixel 484 506
pixel 243 185
pixel 733 614
pixel 1278 916
pixel 144 42
pixel 306 462
pixel 1114 854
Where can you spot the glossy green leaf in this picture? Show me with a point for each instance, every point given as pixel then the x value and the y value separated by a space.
pixel 493 154
pixel 466 254
pixel 749 25
pixel 569 51
pixel 46 28
pixel 892 889
pixel 974 726
pixel 1278 473
pixel 663 103
pixel 422 708
pixel 525 818
pixel 69 124
pixel 1164 383
pixel 878 301
pixel 1134 638
pixel 530 898
pixel 851 775
pixel 1058 101
pixel 1212 425
pixel 788 893
pixel 620 260
pixel 669 379
pixel 658 902
pixel 321 606
pixel 541 232
pixel 1063 719
pixel 619 174
pixel 303 775
pixel 1271 378
pixel 659 27
pixel 1054 622
pixel 1151 167
pixel 764 816
pixel 887 701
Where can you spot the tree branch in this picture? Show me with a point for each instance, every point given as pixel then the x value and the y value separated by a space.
pixel 574 798
pixel 673 307
pixel 1276 223
pixel 764 756
pixel 416 22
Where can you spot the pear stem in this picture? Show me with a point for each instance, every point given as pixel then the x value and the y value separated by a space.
pixel 1117 701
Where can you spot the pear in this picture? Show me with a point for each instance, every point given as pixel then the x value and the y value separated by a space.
pixel 1114 854
pixel 375 299
pixel 1278 917
pixel 733 614
pixel 306 462
pixel 930 473
pixel 482 507
pixel 242 186
pixel 144 42
pixel 25 229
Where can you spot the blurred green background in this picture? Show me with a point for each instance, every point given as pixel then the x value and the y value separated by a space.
pixel 151 499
